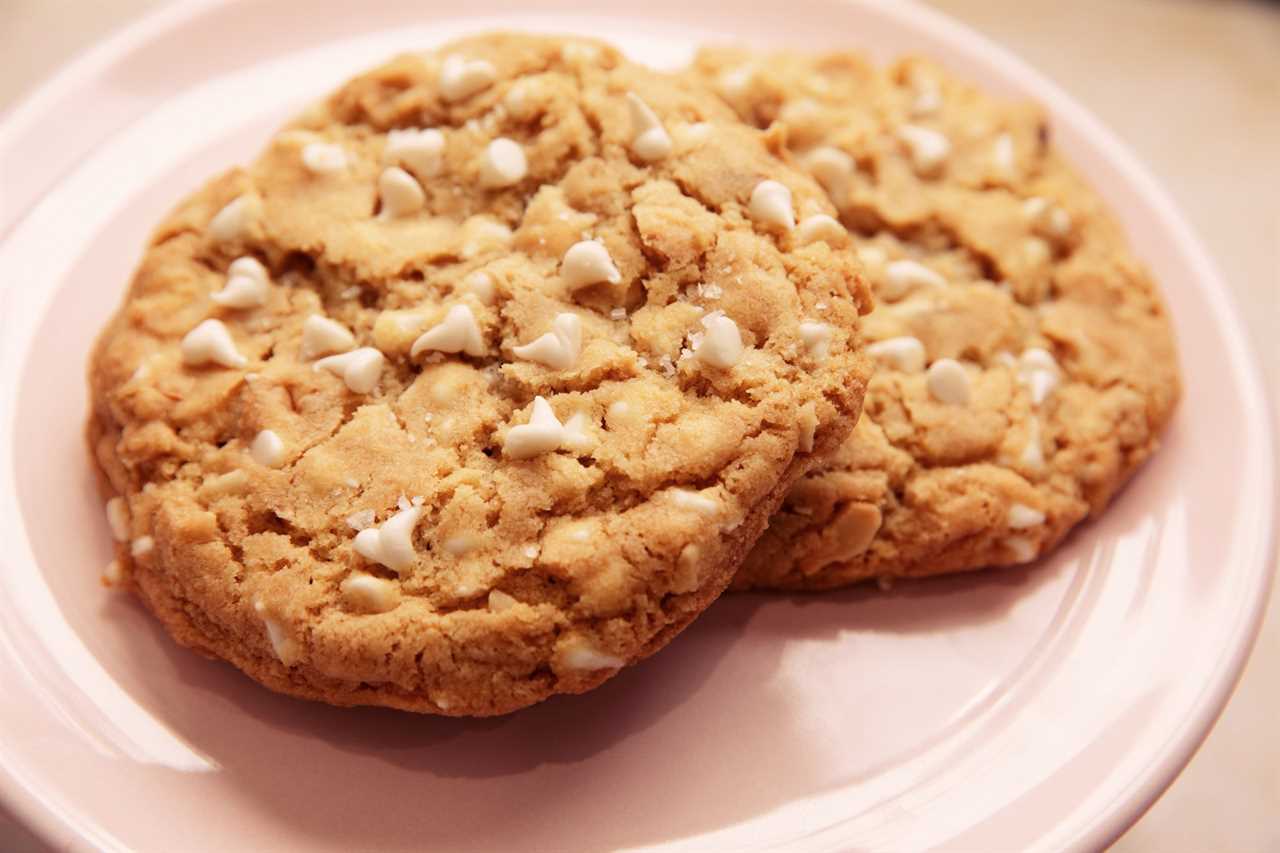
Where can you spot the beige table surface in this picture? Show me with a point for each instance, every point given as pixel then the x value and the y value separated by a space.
pixel 1194 87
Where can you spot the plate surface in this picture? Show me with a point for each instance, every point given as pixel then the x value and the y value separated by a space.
pixel 1039 708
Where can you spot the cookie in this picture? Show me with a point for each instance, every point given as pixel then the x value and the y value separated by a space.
pixel 1026 362
pixel 478 385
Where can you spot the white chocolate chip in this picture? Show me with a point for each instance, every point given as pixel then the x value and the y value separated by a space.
pixel 1038 358
pixel 696 501
pixel 242 292
pixel 948 382
pixel 821 227
pixel 1022 516
pixel 649 139
pixel 928 100
pixel 113 575
pixel 807 421
pixel 721 343
pixel 686 577
pixel 400 192
pixel 141 547
pixel 771 205
pixel 500 602
pixel 461 78
pixel 903 276
pixel 463 543
pixel 211 343
pixel 558 348
pixel 872 256
pixel 576 438
pixel 1036 251
pixel 582 656
pixel 285 647
pixel 587 263
pixel 359 369
pixel 1051 218
pixel 118 518
pixel 458 332
pixel 247 285
pixel 831 167
pixel 504 163
pixel 324 158
pixel 480 284
pixel 370 594
pixel 419 150
pixel 735 81
pixel 1032 454
pixel 542 434
pixel 903 353
pixel 267 449
pixel 391 543
pixel 801 115
pixel 1002 155
pixel 1039 372
pixel 817 339
pixel 232 222
pixel 1040 384
pixel 1059 222
pixel 1023 549
pixel 929 149
pixel 517 99
pixel 322 336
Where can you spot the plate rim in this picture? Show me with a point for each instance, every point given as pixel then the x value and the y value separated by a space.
pixel 31 108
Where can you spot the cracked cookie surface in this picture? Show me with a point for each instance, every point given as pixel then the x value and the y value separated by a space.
pixel 1026 362
pixel 478 384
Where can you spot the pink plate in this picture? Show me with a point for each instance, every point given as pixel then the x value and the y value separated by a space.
pixel 1041 708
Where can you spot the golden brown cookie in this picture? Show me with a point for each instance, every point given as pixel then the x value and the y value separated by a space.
pixel 478 385
pixel 1026 361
